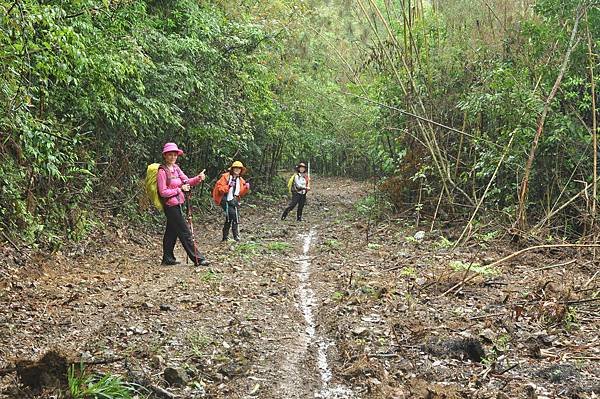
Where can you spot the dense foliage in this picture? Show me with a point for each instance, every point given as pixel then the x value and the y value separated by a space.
pixel 486 71
pixel 89 91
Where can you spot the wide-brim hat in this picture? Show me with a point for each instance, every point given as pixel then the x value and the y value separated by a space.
pixel 238 164
pixel 300 165
pixel 170 147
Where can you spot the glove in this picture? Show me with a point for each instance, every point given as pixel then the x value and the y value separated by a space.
pixel 247 186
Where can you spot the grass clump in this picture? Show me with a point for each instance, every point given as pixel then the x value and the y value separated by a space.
pixel 84 385
pixel 486 271
pixel 278 246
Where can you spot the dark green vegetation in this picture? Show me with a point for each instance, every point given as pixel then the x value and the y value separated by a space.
pixel 89 91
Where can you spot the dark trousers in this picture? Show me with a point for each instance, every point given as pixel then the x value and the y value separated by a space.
pixel 297 199
pixel 232 218
pixel 178 228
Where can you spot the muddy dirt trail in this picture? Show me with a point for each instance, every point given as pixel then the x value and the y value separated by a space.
pixel 310 310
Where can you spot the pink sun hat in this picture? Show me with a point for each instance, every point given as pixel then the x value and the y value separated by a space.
pixel 169 147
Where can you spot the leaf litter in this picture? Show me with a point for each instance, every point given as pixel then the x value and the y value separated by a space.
pixel 397 317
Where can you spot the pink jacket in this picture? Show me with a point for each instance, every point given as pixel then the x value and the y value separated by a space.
pixel 173 194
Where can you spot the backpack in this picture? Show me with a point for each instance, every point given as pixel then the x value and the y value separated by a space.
pixel 291 182
pixel 152 186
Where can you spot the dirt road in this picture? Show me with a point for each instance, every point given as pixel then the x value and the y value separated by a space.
pixel 311 310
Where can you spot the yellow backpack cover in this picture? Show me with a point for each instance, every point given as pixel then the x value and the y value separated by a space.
pixel 291 183
pixel 152 186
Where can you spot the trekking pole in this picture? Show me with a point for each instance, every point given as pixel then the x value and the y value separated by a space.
pixel 308 174
pixel 202 184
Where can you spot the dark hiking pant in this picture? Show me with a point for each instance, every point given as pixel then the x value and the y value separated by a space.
pixel 232 218
pixel 178 228
pixel 297 199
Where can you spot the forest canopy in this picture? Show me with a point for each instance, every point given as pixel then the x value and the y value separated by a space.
pixel 468 109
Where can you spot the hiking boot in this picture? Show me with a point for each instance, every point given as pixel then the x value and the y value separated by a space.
pixel 203 262
pixel 298 219
pixel 283 217
pixel 170 262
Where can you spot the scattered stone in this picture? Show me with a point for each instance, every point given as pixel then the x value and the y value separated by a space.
pixel 531 391
pixel 488 335
pixel 175 377
pixel 359 331
pixel 419 235
pixel 254 390
pixel 559 373
pixel 157 361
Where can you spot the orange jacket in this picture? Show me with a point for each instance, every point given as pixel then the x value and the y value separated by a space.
pixel 221 188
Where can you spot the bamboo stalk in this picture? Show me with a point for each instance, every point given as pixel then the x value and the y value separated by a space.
pixel 563 206
pixel 521 212
pixel 466 233
pixel 440 162
pixel 594 126
pixel 437 207
pixel 460 144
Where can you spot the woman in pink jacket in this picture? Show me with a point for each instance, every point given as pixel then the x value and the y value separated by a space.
pixel 172 186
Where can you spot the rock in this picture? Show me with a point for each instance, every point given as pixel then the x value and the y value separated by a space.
pixel 421 281
pixel 166 307
pixel 560 373
pixel 488 335
pixel 175 377
pixel 419 235
pixel 360 331
pixel 531 391
pixel 254 390
pixel 157 361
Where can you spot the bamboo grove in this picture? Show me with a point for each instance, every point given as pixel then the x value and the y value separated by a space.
pixel 471 111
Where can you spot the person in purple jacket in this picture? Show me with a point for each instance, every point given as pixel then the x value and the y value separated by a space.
pixel 172 186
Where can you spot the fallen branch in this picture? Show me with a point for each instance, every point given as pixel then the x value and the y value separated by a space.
pixel 591 278
pixel 458 285
pixel 580 301
pixel 485 316
pixel 142 381
pixel 10 241
pixel 508 369
pixel 553 266
pixel 515 254
pixel 464 280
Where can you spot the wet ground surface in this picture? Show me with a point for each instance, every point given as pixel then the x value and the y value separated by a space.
pixel 310 310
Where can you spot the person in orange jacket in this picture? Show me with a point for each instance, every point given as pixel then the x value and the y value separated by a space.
pixel 228 191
